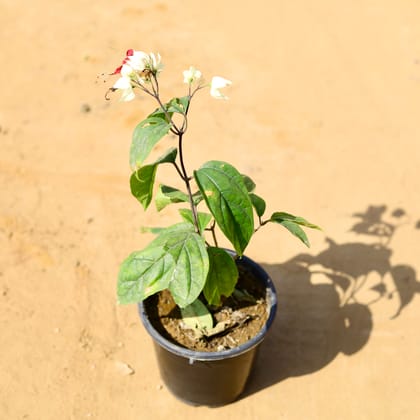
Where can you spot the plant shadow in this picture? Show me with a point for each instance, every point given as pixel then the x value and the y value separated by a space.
pixel 323 305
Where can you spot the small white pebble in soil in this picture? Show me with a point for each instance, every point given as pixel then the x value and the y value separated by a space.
pixel 124 368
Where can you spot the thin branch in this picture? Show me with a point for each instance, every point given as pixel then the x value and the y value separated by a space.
pixel 187 184
pixel 213 233
pixel 179 171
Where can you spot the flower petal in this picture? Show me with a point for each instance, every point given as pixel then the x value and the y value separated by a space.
pixel 137 61
pixel 155 62
pixel 218 83
pixel 122 83
pixel 191 75
pixel 127 95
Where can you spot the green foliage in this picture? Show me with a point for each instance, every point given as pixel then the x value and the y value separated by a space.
pixel 142 180
pixel 141 184
pixel 227 198
pixel 154 230
pixel 197 317
pixel 177 259
pixel 167 195
pixel 202 218
pixel 144 273
pixel 222 277
pixel 292 224
pixel 249 183
pixel 146 135
pixel 179 105
pixel 258 203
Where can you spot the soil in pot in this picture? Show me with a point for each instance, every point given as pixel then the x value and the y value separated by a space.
pixel 241 317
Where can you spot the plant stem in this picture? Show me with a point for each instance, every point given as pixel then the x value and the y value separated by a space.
pixel 213 233
pixel 187 183
pixel 155 86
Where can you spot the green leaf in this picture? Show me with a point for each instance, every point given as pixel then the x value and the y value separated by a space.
pixel 197 317
pixel 197 197
pixel 142 180
pixel 296 230
pixel 292 224
pixel 146 135
pixel 184 101
pixel 249 183
pixel 222 277
pixel 177 259
pixel 144 273
pixel 258 203
pixel 141 184
pixel 168 157
pixel 179 105
pixel 296 219
pixel 167 195
pixel 227 198
pixel 191 262
pixel 154 230
pixel 203 218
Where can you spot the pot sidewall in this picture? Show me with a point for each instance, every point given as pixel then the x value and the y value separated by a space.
pixel 210 378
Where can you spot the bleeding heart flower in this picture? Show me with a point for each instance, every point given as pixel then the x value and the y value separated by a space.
pixel 134 71
pixel 135 60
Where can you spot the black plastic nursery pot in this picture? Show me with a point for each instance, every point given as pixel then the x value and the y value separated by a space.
pixel 210 378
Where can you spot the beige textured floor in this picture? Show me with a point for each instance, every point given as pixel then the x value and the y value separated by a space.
pixel 324 115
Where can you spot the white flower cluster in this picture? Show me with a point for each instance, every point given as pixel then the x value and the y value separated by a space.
pixel 137 67
pixel 134 70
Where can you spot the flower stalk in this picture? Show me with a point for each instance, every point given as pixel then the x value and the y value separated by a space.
pixel 186 179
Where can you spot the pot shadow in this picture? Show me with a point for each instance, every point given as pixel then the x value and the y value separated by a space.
pixel 322 306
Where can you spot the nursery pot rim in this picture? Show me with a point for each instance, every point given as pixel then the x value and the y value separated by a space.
pixel 223 354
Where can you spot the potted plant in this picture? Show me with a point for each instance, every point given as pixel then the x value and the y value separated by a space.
pixel 183 281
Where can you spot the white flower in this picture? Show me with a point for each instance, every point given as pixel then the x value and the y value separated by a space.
pixel 133 64
pixel 137 60
pixel 133 71
pixel 133 61
pixel 155 63
pixel 217 83
pixel 191 75
pixel 124 84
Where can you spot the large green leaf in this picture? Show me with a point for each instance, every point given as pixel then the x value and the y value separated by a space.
pixel 191 262
pixel 177 259
pixel 146 135
pixel 143 179
pixel 226 196
pixel 292 224
pixel 144 273
pixel 222 277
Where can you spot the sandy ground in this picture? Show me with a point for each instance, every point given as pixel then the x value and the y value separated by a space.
pixel 323 115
